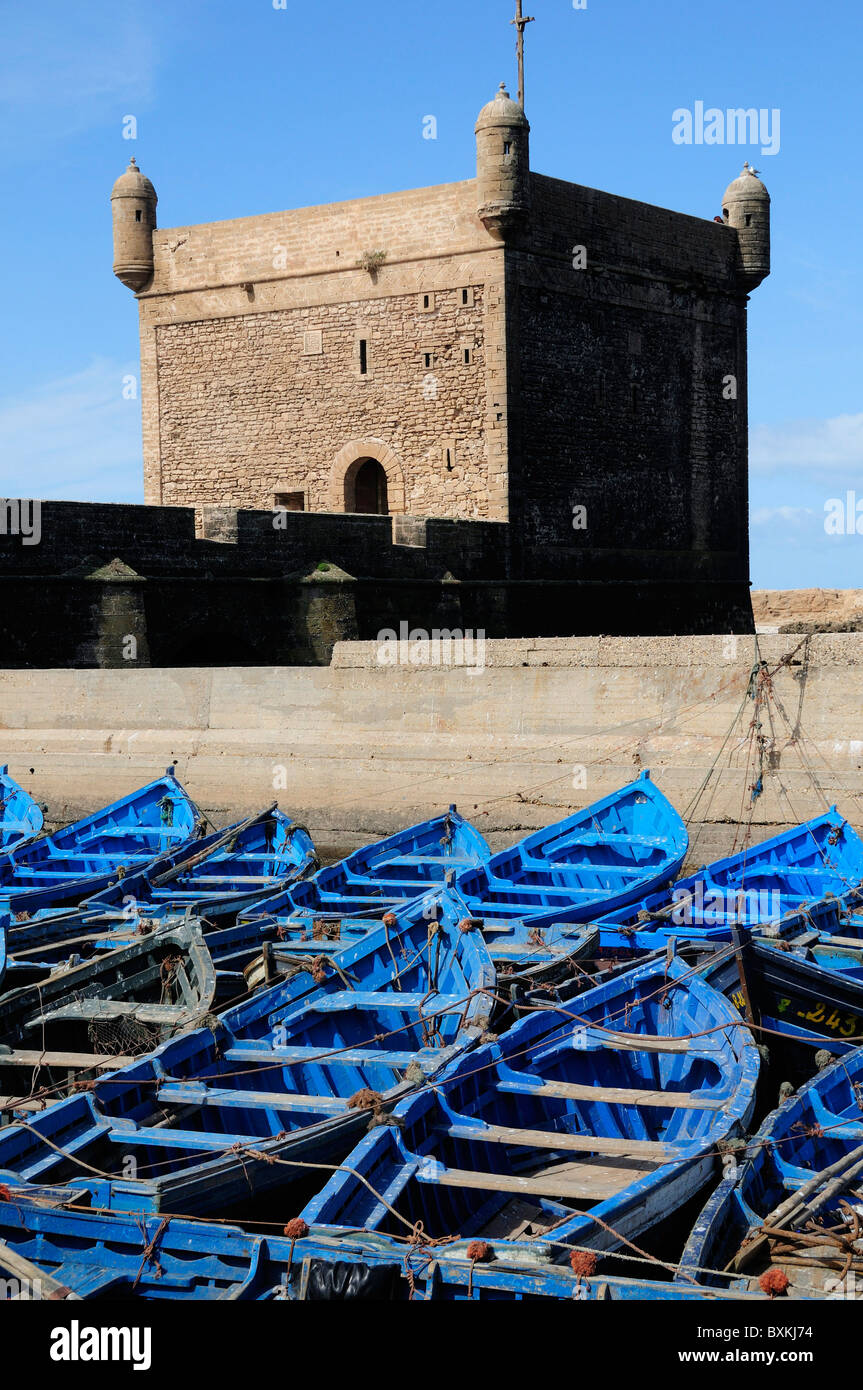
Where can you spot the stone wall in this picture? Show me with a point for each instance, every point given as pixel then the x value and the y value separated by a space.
pixel 239 404
pixel 257 593
pixel 267 403
pixel 359 749
pixel 603 386
pixel 617 391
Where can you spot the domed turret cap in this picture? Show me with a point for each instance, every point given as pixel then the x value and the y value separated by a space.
pixel 133 184
pixel 502 111
pixel 746 185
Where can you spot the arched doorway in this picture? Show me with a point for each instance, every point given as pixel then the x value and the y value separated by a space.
pixel 366 488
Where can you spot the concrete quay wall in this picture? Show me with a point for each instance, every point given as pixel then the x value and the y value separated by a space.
pixel 524 734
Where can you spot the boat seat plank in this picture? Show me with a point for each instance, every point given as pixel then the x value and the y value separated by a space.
pixel 35 1057
pixel 579 1182
pixel 36 1282
pixel 191 881
pixel 575 1143
pixel 391 999
pixel 613 1095
pixel 195 1139
pixel 109 1010
pixel 449 861
pixel 179 1094
pixel 288 1056
pixel 531 951
pixel 640 1042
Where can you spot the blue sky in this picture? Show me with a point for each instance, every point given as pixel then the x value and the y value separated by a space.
pixel 243 108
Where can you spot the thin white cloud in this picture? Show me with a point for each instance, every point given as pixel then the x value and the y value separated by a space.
pixel 75 439
pixel 67 68
pixel 787 516
pixel 835 444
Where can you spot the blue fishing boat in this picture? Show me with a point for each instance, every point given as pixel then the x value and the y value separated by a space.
pixel 339 900
pixel 786 1218
pixel 628 844
pixel 49 1251
pixel 82 1021
pixel 209 880
pixel 83 858
pixel 582 1127
pixel 230 870
pixel 291 1076
pixel 809 994
pixel 20 816
pixel 803 869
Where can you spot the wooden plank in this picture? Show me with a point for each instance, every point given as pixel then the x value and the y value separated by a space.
pixel 854 943
pixel 613 1095
pixel 576 1143
pixel 288 1056
pixel 643 1042
pixel 560 947
pixel 591 1184
pixel 32 1057
pixel 31 1277
pixel 22 1103
pixel 176 1093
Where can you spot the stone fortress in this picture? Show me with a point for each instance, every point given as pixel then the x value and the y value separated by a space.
pixel 510 348
pixel 511 403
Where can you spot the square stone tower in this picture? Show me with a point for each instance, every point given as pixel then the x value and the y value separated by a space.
pixel 511 348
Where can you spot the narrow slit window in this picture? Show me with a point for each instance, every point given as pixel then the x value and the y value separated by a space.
pixel 465 297
pixel 426 301
pixel 364 357
pixel 428 359
pixel 137 214
pixel 467 357
pixel 507 148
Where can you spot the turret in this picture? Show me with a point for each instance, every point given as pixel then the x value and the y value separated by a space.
pixel 133 206
pixel 503 164
pixel 746 207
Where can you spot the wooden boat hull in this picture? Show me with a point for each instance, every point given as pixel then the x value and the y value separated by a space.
pixel 626 845
pixel 380 877
pixel 83 858
pixel 243 864
pixel 209 880
pixel 20 816
pixel 818 1129
pixel 816 867
pixel 227 1112
pixel 797 997
pixel 46 1249
pixel 124 1003
pixel 630 1115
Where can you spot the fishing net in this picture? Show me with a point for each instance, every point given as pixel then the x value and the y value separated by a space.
pixel 122 1037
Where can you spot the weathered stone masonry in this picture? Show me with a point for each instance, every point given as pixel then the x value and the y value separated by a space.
pixel 495 380
pixel 508 348
pixel 249 412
